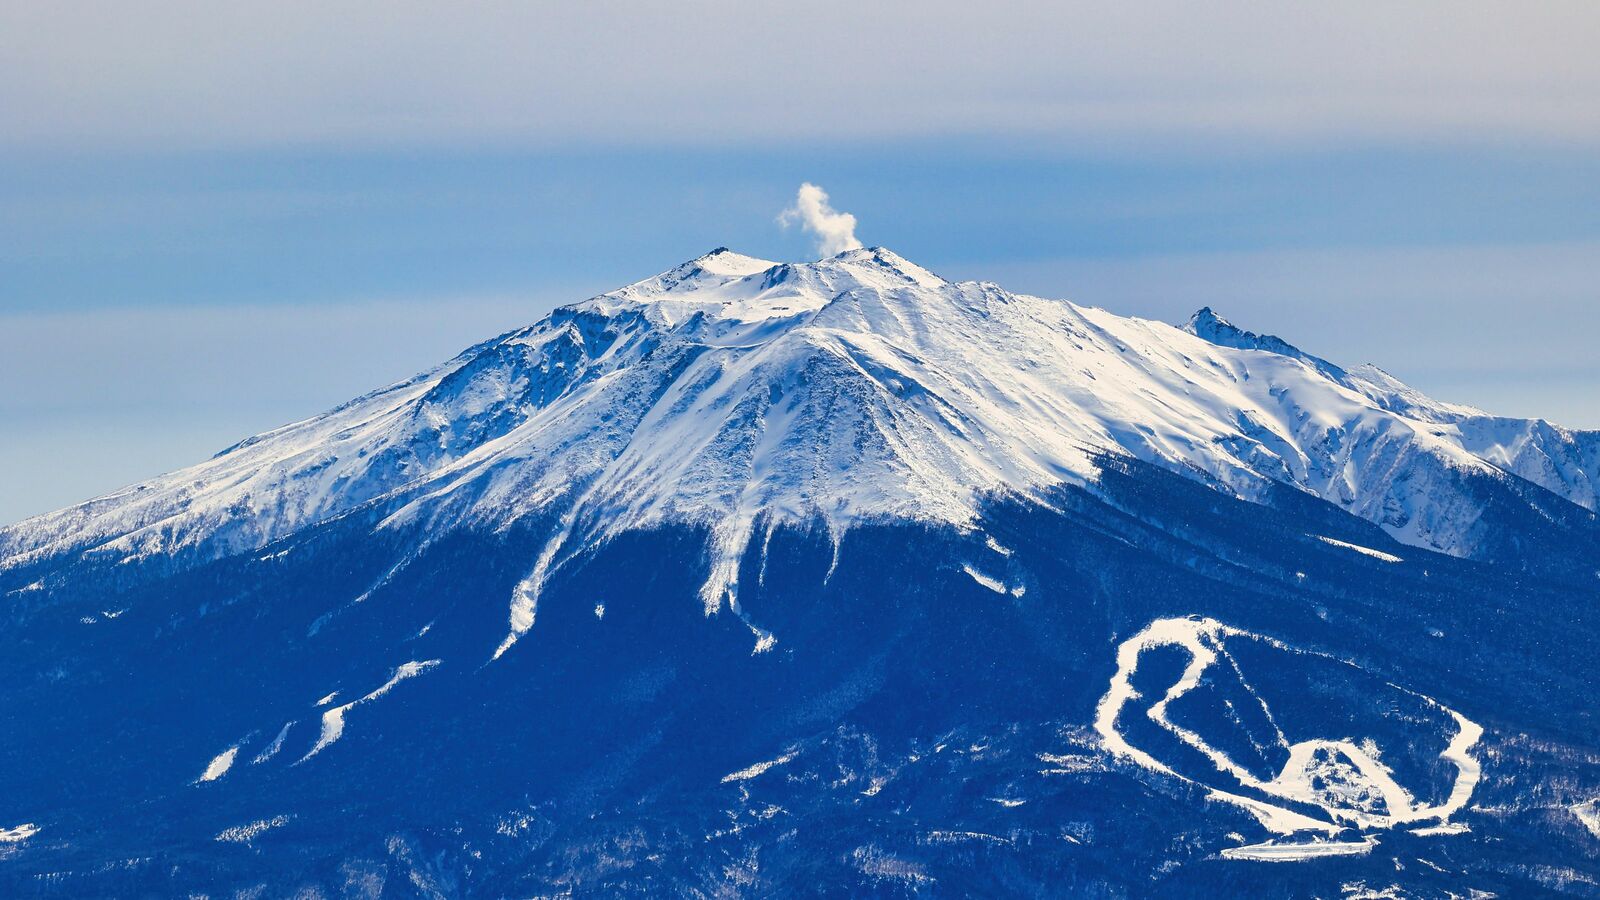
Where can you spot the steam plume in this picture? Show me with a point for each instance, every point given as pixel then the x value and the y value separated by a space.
pixel 835 231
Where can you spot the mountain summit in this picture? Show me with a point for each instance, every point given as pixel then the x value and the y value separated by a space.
pixel 743 440
pixel 731 391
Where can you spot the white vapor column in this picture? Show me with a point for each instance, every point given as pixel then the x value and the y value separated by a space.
pixel 835 231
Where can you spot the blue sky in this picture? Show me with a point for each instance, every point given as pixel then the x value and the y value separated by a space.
pixel 214 222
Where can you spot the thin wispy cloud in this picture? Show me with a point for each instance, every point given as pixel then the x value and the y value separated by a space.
pixel 184 74
pixel 835 231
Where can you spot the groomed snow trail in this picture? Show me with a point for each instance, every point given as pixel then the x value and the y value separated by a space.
pixel 1204 641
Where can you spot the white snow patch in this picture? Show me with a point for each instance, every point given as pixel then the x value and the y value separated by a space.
pixel 272 749
pixel 1273 851
pixel 244 834
pixel 1588 813
pixel 333 719
pixel 956 837
pixel 1007 802
pixel 525 601
pixel 220 765
pixel 992 584
pixel 759 768
pixel 1358 890
pixel 1367 551
pixel 599 610
pixel 996 546
pixel 879 863
pixel 19 833
pixel 1069 763
pixel 328 699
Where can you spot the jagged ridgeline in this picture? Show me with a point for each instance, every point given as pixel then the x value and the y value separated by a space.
pixel 823 578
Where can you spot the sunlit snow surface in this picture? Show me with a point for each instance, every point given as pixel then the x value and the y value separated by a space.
pixel 1588 813
pixel 1364 551
pixel 219 765
pixel 333 719
pixel 1272 851
pixel 759 768
pixel 736 394
pixel 18 833
pixel 244 834
pixel 1239 739
pixel 272 749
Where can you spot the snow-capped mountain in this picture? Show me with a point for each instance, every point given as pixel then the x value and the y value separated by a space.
pixel 731 390
pixel 826 519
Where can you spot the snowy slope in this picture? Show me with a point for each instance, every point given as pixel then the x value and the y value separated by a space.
pixel 1561 460
pixel 731 392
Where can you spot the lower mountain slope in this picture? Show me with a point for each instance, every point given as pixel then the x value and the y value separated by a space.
pixel 925 721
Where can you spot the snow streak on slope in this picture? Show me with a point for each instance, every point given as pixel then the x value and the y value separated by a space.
pixel 219 765
pixel 244 834
pixel 1364 551
pixel 1588 813
pixel 733 394
pixel 333 719
pixel 272 749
